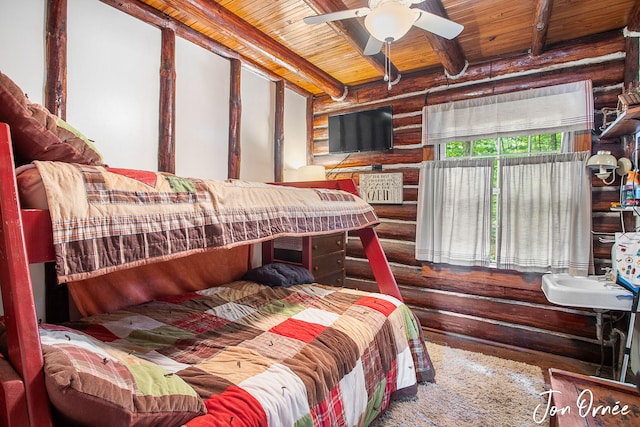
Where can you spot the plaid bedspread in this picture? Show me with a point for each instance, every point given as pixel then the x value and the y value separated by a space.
pixel 105 221
pixel 309 355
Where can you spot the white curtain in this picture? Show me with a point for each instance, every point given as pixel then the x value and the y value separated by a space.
pixel 568 142
pixel 545 214
pixel 551 109
pixel 454 212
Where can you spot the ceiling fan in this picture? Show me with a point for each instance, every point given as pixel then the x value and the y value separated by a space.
pixel 389 20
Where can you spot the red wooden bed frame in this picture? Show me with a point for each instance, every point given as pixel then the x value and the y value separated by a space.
pixel 26 237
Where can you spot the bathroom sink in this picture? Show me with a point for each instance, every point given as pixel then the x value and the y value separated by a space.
pixel 591 292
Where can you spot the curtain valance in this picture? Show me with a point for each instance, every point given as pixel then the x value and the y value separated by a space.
pixel 560 108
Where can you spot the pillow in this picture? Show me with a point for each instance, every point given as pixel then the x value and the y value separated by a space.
pixel 30 188
pixel 92 383
pixel 279 274
pixel 67 133
pixel 39 135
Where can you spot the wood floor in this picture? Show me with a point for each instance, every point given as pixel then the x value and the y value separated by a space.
pixel 531 357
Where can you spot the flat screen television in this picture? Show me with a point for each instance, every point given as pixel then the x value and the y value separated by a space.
pixel 370 130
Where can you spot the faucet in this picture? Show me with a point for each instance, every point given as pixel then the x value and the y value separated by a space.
pixel 608 275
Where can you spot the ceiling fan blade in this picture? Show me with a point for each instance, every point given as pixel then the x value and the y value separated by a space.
pixel 438 25
pixel 336 16
pixel 373 46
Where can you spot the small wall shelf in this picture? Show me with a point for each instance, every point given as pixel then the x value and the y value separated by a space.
pixel 627 123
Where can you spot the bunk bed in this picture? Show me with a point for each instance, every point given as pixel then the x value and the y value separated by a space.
pixel 290 353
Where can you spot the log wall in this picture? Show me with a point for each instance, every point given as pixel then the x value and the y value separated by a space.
pixel 502 307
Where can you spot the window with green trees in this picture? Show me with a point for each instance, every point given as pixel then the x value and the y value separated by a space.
pixel 499 148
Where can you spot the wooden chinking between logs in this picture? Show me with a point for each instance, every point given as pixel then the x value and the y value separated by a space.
pixel 501 307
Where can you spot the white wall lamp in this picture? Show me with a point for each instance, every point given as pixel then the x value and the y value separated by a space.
pixel 604 163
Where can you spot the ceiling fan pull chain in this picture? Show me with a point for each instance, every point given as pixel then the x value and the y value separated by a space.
pixel 387 77
pixel 386 61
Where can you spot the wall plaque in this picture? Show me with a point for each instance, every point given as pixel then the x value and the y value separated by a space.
pixel 382 188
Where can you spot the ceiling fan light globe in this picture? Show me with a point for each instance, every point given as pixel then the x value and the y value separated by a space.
pixel 390 21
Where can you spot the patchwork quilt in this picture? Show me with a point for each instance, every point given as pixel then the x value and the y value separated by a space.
pixel 305 355
pixel 108 219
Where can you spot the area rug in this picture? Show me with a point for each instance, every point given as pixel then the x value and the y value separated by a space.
pixel 472 389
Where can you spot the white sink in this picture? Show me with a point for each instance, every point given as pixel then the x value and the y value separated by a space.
pixel 591 292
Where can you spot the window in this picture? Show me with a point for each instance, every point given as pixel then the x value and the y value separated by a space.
pixel 501 203
pixel 497 149
pixel 521 203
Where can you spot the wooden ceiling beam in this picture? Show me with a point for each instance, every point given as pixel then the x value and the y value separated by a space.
pixel 541 26
pixel 448 51
pixel 607 48
pixel 354 33
pixel 212 13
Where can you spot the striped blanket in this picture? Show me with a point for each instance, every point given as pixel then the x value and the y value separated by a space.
pixel 306 355
pixel 105 220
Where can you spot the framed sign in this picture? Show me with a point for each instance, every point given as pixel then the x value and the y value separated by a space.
pixel 381 188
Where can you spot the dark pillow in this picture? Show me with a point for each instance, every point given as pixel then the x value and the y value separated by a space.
pixel 279 274
pixel 39 135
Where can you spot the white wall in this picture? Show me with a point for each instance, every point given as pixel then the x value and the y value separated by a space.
pixel 295 131
pixel 257 128
pixel 202 112
pixel 113 91
pixel 113 86
pixel 22 45
pixel 23 60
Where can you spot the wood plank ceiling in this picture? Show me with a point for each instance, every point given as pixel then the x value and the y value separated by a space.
pixel 327 58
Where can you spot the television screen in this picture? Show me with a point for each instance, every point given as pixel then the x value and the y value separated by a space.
pixel 370 130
